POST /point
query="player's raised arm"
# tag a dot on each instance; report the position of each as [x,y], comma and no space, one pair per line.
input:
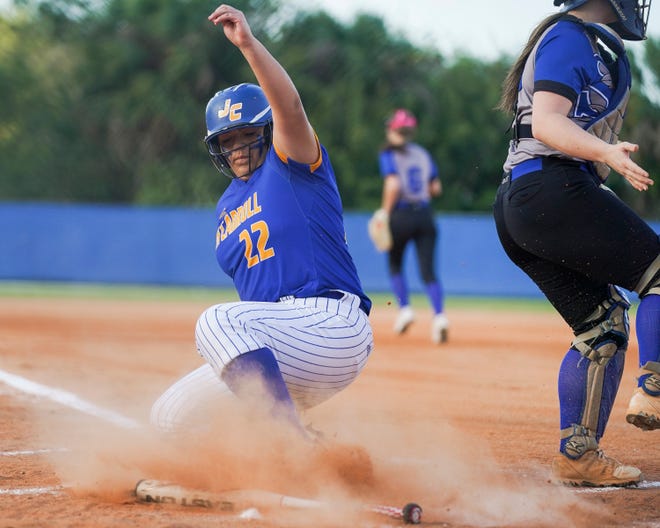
[292,133]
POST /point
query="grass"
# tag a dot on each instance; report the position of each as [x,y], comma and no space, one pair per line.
[25,289]
[212,295]
[114,291]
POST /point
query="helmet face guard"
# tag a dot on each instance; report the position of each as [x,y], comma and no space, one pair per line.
[241,106]
[633,16]
[220,157]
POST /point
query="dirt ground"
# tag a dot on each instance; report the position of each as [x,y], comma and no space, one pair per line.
[466,429]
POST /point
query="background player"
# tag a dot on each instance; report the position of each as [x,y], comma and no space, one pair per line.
[410,180]
[572,235]
[301,327]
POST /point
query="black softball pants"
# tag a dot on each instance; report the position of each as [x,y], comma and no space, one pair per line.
[418,225]
[572,237]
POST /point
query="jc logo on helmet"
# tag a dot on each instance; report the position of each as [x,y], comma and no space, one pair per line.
[231,110]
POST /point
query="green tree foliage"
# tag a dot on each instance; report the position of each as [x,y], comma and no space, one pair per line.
[642,126]
[103,101]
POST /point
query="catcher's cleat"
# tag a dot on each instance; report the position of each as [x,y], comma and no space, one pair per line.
[593,469]
[440,329]
[404,319]
[644,410]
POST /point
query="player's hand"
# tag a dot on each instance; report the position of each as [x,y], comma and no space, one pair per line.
[618,158]
[236,28]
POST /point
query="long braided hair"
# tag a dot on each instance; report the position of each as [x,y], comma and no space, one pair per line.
[511,82]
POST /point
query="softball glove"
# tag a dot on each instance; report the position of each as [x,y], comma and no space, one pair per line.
[379,230]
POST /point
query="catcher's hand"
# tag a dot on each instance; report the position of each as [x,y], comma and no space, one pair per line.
[379,230]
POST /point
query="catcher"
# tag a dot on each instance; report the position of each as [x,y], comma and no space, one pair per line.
[573,236]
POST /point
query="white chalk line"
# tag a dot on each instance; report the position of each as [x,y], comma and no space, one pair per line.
[44,490]
[28,452]
[68,399]
[645,484]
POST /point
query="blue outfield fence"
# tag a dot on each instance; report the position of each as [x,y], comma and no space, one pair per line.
[175,246]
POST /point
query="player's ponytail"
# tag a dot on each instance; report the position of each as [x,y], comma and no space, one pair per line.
[512,81]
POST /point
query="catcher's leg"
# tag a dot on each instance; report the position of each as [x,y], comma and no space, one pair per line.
[588,383]
[644,408]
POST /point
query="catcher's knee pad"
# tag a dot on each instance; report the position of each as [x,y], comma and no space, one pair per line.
[603,340]
[650,281]
[606,330]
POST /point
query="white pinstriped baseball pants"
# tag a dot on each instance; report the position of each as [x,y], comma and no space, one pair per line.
[320,344]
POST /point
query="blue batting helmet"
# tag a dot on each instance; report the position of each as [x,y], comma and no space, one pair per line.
[633,16]
[241,106]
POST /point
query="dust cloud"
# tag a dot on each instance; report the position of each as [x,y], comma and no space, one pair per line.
[452,475]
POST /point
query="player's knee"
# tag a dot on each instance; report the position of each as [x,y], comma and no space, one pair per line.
[606,331]
[162,416]
[213,322]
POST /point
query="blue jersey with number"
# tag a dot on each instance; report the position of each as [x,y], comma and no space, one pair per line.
[415,169]
[281,233]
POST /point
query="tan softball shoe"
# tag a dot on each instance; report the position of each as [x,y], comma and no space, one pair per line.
[593,469]
[644,410]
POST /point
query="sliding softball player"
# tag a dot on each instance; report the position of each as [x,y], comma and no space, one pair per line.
[301,327]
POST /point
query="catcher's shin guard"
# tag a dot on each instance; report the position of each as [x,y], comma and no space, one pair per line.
[587,389]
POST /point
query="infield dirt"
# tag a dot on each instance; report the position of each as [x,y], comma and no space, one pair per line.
[466,429]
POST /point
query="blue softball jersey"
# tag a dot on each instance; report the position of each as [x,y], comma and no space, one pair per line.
[567,63]
[415,169]
[281,233]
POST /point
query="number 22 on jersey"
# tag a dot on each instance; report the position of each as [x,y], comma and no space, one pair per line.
[260,229]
